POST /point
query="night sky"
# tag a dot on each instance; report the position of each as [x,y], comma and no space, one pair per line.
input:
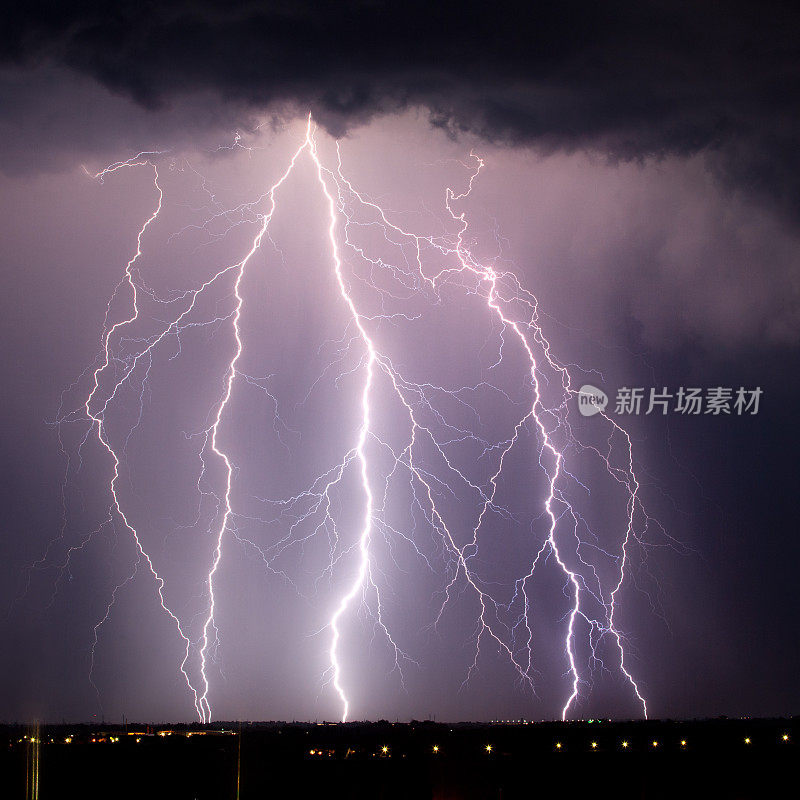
[641,178]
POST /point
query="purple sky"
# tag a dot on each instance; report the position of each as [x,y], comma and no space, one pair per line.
[656,258]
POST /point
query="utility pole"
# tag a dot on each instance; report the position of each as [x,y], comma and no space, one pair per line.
[239,763]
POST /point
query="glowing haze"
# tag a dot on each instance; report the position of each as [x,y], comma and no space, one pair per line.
[420,483]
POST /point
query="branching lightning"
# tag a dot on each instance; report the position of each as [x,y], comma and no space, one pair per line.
[422,456]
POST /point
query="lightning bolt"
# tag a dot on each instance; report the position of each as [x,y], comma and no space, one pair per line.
[311,513]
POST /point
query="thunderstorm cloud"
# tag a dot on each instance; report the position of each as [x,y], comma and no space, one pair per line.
[631,80]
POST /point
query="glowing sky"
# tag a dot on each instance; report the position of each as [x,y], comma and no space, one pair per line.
[672,269]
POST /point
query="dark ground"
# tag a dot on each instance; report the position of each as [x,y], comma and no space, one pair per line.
[741,758]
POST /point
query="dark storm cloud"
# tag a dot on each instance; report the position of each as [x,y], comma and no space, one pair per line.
[631,79]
